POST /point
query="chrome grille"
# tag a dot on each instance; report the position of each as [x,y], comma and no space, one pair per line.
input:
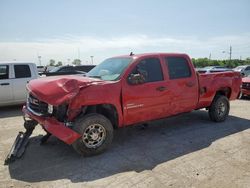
[36,106]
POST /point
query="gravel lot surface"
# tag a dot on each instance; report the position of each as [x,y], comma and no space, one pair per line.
[183,151]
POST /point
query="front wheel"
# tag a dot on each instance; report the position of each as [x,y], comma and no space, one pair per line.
[96,134]
[219,109]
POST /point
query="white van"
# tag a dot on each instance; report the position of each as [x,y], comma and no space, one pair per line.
[13,79]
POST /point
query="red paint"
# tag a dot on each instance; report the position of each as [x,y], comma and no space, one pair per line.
[54,127]
[181,95]
[246,91]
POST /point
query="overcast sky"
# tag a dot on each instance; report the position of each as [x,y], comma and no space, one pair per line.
[70,29]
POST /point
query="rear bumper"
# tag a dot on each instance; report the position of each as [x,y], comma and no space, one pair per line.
[245,92]
[54,127]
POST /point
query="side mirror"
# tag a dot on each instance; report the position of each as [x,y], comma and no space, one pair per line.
[135,79]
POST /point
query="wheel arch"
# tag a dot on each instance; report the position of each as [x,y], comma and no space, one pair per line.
[225,91]
[107,110]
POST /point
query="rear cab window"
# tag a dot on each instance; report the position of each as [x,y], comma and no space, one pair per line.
[22,71]
[178,67]
[4,72]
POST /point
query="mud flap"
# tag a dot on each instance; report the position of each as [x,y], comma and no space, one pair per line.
[21,141]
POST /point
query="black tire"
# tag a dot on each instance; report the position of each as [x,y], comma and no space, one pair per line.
[89,125]
[219,109]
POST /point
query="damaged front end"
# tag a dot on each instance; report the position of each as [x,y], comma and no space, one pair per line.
[21,141]
[50,112]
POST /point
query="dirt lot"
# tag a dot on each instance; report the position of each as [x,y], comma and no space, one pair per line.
[184,151]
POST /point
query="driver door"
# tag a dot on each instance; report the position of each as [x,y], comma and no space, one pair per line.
[145,101]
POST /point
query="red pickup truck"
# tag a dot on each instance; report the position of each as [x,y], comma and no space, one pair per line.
[123,91]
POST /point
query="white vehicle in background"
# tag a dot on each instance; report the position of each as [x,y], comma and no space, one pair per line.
[13,79]
[213,69]
[41,69]
[243,69]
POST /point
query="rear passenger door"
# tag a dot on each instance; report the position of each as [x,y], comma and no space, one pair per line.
[22,75]
[6,94]
[182,85]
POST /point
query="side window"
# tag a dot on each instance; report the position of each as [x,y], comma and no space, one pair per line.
[150,68]
[4,72]
[178,67]
[22,71]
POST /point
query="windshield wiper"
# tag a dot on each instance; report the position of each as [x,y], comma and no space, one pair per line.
[95,77]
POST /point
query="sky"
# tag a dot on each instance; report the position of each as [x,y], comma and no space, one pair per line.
[65,30]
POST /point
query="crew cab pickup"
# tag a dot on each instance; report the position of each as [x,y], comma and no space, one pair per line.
[13,79]
[123,91]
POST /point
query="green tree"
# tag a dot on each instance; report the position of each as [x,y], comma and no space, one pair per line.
[76,62]
[52,62]
[59,63]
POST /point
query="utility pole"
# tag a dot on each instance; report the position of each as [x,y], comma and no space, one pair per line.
[39,60]
[230,53]
[210,56]
[78,50]
[92,57]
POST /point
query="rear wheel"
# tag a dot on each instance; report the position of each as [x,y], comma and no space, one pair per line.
[219,109]
[96,134]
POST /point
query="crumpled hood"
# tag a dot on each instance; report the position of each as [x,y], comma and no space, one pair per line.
[58,89]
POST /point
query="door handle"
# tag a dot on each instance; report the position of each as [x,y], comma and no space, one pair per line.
[189,84]
[5,84]
[161,88]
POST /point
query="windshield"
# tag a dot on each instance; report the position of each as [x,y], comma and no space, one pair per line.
[55,69]
[238,68]
[110,69]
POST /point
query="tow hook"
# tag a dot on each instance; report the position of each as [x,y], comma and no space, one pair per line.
[21,141]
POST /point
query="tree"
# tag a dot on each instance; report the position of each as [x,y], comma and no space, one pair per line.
[52,62]
[59,63]
[76,62]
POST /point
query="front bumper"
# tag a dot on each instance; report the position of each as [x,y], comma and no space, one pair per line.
[245,91]
[54,127]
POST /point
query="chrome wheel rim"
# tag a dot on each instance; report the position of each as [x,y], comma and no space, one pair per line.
[221,109]
[94,135]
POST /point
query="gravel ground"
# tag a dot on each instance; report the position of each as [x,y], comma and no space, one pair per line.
[184,151]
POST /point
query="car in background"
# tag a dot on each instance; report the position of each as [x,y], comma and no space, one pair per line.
[213,69]
[13,79]
[243,69]
[41,69]
[69,69]
[245,88]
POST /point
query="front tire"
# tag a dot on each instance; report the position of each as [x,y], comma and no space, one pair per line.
[96,134]
[219,109]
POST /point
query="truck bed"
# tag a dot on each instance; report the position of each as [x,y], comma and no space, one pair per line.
[209,83]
